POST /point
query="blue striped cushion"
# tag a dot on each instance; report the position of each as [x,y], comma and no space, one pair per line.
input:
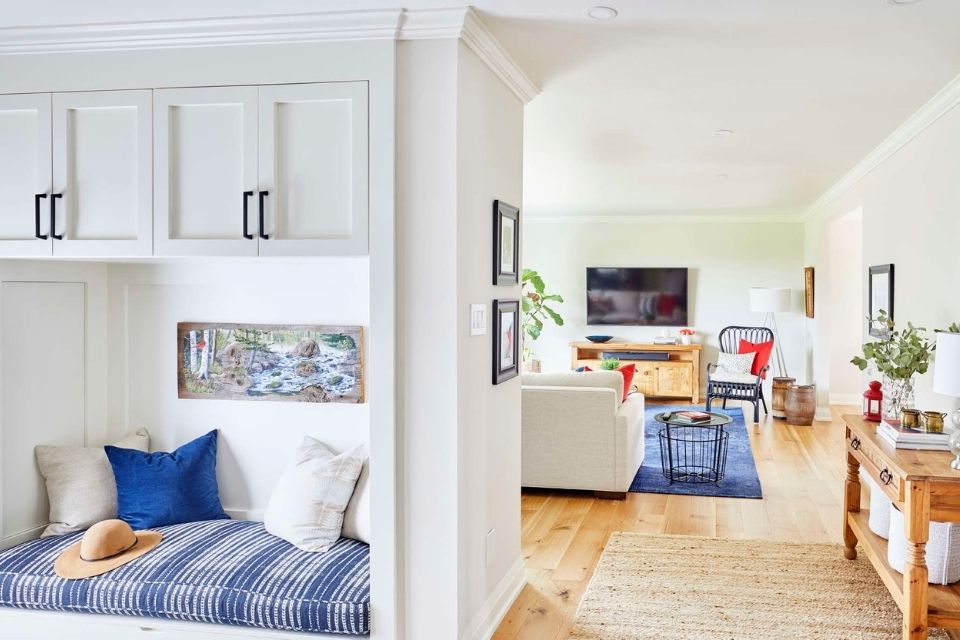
[223,571]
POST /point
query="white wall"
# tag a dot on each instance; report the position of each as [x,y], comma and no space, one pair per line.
[256,439]
[725,260]
[844,280]
[910,208]
[489,167]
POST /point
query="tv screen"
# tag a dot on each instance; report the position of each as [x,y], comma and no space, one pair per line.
[637,296]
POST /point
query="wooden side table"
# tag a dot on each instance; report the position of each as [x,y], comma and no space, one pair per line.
[924,488]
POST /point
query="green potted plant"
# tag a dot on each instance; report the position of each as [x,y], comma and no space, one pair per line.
[899,354]
[536,310]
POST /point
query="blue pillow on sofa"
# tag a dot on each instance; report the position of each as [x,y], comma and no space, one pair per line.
[157,489]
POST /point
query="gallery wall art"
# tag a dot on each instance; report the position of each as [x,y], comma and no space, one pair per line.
[506,243]
[295,363]
[880,293]
[506,340]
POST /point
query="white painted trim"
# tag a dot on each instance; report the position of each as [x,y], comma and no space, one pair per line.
[17,538]
[163,34]
[461,22]
[845,399]
[652,218]
[823,415]
[941,103]
[488,618]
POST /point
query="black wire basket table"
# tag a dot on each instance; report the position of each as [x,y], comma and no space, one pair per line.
[693,452]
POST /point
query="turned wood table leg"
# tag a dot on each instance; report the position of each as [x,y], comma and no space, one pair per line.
[851,503]
[916,516]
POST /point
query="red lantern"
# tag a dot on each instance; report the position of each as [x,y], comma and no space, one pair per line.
[872,400]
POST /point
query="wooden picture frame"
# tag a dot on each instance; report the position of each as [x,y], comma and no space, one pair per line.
[506,243]
[808,280]
[880,294]
[506,340]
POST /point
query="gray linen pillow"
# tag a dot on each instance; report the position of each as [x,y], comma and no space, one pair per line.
[80,483]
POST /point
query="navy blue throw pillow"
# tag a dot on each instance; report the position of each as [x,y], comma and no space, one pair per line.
[157,489]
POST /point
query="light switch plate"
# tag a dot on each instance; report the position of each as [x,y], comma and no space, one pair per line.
[478,320]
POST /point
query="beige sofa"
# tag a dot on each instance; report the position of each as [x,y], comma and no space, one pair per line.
[577,434]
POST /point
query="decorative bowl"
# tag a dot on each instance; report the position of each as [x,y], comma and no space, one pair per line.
[599,339]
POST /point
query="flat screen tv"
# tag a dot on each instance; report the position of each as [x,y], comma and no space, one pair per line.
[637,296]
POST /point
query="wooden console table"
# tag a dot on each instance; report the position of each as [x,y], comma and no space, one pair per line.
[924,488]
[676,377]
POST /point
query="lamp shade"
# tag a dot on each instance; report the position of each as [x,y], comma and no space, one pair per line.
[946,369]
[769,299]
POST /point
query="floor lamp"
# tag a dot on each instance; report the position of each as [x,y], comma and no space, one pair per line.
[769,301]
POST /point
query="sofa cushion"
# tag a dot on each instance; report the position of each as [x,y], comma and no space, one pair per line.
[762,349]
[594,379]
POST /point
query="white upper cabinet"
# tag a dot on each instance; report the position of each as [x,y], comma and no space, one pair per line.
[102,173]
[205,176]
[25,174]
[313,169]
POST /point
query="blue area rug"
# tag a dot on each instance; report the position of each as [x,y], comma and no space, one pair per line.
[740,480]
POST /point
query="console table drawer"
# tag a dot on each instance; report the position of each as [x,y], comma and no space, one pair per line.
[875,467]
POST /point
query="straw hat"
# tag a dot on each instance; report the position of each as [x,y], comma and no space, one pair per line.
[105,546]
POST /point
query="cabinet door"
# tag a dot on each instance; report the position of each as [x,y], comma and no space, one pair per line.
[313,164]
[674,380]
[205,159]
[42,396]
[644,378]
[102,167]
[24,172]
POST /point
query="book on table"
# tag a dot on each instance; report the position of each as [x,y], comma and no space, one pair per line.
[692,417]
[909,438]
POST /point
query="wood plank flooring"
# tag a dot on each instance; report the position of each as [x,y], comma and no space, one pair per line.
[563,533]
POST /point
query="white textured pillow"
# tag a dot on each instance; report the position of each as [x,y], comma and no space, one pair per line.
[307,505]
[356,519]
[735,363]
[80,483]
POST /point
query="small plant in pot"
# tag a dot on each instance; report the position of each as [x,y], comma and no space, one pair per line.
[535,305]
[899,354]
[610,364]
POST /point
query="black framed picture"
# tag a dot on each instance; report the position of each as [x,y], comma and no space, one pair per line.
[506,340]
[881,295]
[506,243]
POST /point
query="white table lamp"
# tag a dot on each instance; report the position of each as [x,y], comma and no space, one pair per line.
[769,301]
[946,369]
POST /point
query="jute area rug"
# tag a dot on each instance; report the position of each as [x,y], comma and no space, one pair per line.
[683,588]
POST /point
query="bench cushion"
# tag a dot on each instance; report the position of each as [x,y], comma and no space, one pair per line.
[221,571]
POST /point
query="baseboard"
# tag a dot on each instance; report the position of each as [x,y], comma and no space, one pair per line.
[823,415]
[487,620]
[846,398]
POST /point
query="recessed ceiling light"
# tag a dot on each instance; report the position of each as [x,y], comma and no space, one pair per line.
[895,2]
[602,13]
[723,133]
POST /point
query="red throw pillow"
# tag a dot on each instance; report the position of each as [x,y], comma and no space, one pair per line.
[763,351]
[628,371]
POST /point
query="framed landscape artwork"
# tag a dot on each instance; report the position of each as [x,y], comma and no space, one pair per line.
[294,363]
[506,243]
[506,340]
[881,295]
[808,291]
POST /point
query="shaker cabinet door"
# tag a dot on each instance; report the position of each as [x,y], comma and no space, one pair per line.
[205,178]
[25,174]
[102,173]
[313,168]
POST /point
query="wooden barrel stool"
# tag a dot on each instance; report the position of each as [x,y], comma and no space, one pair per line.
[801,404]
[780,386]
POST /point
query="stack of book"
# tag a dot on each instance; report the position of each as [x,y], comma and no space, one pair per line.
[902,437]
[690,417]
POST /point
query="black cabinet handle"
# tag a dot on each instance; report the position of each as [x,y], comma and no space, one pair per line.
[53,216]
[886,477]
[263,194]
[246,233]
[36,217]
[855,443]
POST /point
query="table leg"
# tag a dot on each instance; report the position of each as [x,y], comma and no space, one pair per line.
[916,517]
[851,503]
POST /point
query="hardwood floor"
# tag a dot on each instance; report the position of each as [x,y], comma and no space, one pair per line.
[801,471]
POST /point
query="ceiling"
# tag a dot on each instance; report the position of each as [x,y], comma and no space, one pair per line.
[625,122]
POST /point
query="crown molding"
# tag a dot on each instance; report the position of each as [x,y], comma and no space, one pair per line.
[461,23]
[668,218]
[165,34]
[940,104]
